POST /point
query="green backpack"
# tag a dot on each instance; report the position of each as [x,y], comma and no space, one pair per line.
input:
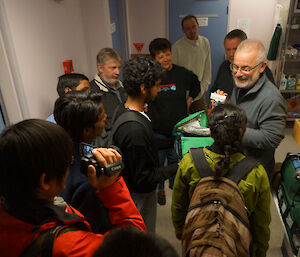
[288,194]
[191,132]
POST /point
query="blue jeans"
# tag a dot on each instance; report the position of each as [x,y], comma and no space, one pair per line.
[171,156]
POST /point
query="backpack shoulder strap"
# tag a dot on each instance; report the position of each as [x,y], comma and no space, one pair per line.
[37,246]
[238,172]
[200,162]
[43,244]
[241,169]
[128,116]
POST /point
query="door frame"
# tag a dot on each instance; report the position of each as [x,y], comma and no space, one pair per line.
[123,23]
[14,106]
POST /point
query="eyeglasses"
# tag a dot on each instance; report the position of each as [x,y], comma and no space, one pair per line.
[244,68]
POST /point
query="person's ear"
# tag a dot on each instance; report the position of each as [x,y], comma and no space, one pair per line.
[67,89]
[43,188]
[43,184]
[143,89]
[263,66]
[87,134]
[100,68]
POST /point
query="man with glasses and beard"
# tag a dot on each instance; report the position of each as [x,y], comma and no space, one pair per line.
[264,106]
[224,80]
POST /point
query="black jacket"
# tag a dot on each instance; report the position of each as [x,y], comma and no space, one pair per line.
[169,107]
[140,156]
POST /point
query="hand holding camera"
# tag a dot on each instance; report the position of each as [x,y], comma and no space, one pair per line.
[104,156]
[101,165]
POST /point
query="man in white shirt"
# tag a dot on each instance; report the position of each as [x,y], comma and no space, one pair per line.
[193,53]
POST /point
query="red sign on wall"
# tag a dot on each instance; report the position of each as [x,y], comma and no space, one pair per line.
[138,46]
[68,66]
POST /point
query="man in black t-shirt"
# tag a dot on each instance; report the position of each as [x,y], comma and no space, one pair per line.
[178,89]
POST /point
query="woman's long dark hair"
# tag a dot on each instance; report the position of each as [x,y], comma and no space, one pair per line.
[227,124]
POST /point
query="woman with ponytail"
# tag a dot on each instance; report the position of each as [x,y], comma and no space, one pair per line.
[227,125]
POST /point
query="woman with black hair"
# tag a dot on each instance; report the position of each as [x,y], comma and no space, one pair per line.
[227,125]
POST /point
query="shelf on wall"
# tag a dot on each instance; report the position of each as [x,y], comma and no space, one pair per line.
[292,60]
[290,91]
[292,118]
[293,115]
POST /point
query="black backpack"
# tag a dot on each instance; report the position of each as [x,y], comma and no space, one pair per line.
[43,244]
[128,116]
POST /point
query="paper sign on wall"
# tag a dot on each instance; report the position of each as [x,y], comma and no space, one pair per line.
[244,25]
[138,46]
[113,27]
[203,22]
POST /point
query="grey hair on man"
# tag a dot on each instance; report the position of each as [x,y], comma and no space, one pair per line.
[249,45]
[107,53]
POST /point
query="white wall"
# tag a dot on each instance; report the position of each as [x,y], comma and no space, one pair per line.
[260,14]
[46,32]
[263,17]
[146,20]
[97,32]
[15,105]
[10,97]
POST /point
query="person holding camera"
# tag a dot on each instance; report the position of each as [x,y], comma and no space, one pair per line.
[35,156]
[82,115]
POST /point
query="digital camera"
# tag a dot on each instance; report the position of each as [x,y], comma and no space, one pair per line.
[87,158]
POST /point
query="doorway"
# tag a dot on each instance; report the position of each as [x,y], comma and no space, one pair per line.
[118,21]
[3,116]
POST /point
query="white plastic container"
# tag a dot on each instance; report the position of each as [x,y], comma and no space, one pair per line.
[283,82]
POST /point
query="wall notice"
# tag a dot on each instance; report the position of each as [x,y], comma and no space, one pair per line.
[203,22]
[244,25]
[113,27]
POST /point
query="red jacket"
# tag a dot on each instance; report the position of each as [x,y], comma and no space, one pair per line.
[16,235]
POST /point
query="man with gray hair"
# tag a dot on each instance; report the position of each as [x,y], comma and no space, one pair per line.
[107,82]
[264,105]
[224,80]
